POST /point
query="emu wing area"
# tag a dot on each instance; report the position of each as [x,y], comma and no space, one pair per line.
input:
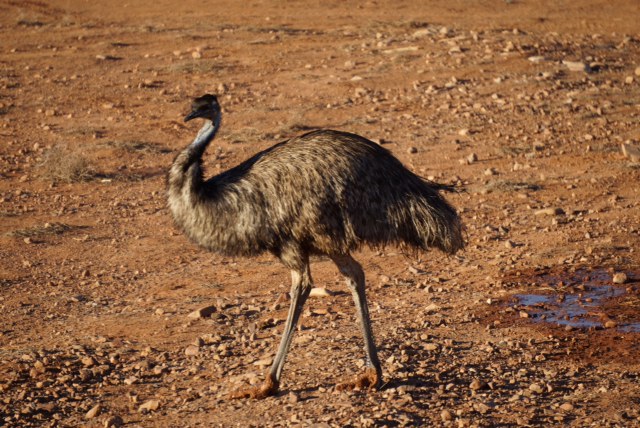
[330,192]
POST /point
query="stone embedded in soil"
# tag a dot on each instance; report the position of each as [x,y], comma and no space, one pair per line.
[88,361]
[191,350]
[320,292]
[114,421]
[149,406]
[95,411]
[631,151]
[619,278]
[534,387]
[481,408]
[477,384]
[576,66]
[550,211]
[202,312]
[446,415]
[567,407]
[536,59]
[264,362]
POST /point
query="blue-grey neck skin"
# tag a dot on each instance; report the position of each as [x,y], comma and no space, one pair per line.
[206,134]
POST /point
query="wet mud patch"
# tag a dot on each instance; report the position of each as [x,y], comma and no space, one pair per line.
[583,300]
[593,317]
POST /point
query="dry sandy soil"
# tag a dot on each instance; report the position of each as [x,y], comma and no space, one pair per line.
[523,103]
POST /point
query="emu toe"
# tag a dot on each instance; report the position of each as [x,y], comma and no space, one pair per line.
[267,389]
[369,379]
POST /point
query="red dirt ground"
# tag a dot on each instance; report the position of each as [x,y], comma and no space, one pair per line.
[96,283]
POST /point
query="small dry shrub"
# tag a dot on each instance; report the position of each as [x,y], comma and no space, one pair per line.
[60,163]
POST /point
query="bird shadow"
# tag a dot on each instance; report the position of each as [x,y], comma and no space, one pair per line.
[130,175]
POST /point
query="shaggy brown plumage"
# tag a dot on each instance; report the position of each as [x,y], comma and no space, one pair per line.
[325,192]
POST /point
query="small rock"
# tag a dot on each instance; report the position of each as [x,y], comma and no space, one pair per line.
[39,367]
[88,361]
[320,292]
[196,55]
[191,350]
[293,398]
[610,324]
[424,32]
[631,151]
[472,158]
[567,407]
[577,66]
[202,312]
[637,71]
[534,387]
[95,411]
[619,278]
[149,406]
[550,211]
[432,308]
[412,150]
[130,380]
[477,384]
[536,59]
[481,408]
[446,415]
[490,171]
[114,421]
[264,362]
[430,346]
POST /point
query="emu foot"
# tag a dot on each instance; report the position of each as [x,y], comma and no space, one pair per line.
[269,387]
[368,379]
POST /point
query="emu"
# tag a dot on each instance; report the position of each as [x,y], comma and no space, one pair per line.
[322,193]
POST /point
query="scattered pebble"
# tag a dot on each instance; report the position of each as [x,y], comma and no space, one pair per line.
[567,407]
[576,66]
[619,278]
[534,387]
[114,421]
[149,406]
[550,211]
[320,292]
[204,312]
[95,411]
[446,415]
[192,350]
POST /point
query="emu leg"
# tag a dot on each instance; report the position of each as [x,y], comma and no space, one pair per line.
[300,289]
[371,378]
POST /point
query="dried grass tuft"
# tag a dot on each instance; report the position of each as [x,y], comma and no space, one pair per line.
[61,163]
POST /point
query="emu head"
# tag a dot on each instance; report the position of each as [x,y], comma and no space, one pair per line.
[206,107]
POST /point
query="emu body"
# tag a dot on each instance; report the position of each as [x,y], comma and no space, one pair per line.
[325,192]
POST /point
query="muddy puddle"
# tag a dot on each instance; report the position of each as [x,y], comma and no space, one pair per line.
[586,300]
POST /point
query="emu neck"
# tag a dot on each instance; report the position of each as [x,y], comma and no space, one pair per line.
[186,173]
[206,134]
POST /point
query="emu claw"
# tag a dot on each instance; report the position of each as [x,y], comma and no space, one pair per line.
[267,389]
[369,379]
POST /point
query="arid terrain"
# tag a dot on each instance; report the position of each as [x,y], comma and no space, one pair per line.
[524,104]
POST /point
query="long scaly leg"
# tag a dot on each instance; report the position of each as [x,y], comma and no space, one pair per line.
[300,288]
[351,269]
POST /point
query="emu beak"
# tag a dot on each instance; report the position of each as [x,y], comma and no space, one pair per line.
[191,115]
